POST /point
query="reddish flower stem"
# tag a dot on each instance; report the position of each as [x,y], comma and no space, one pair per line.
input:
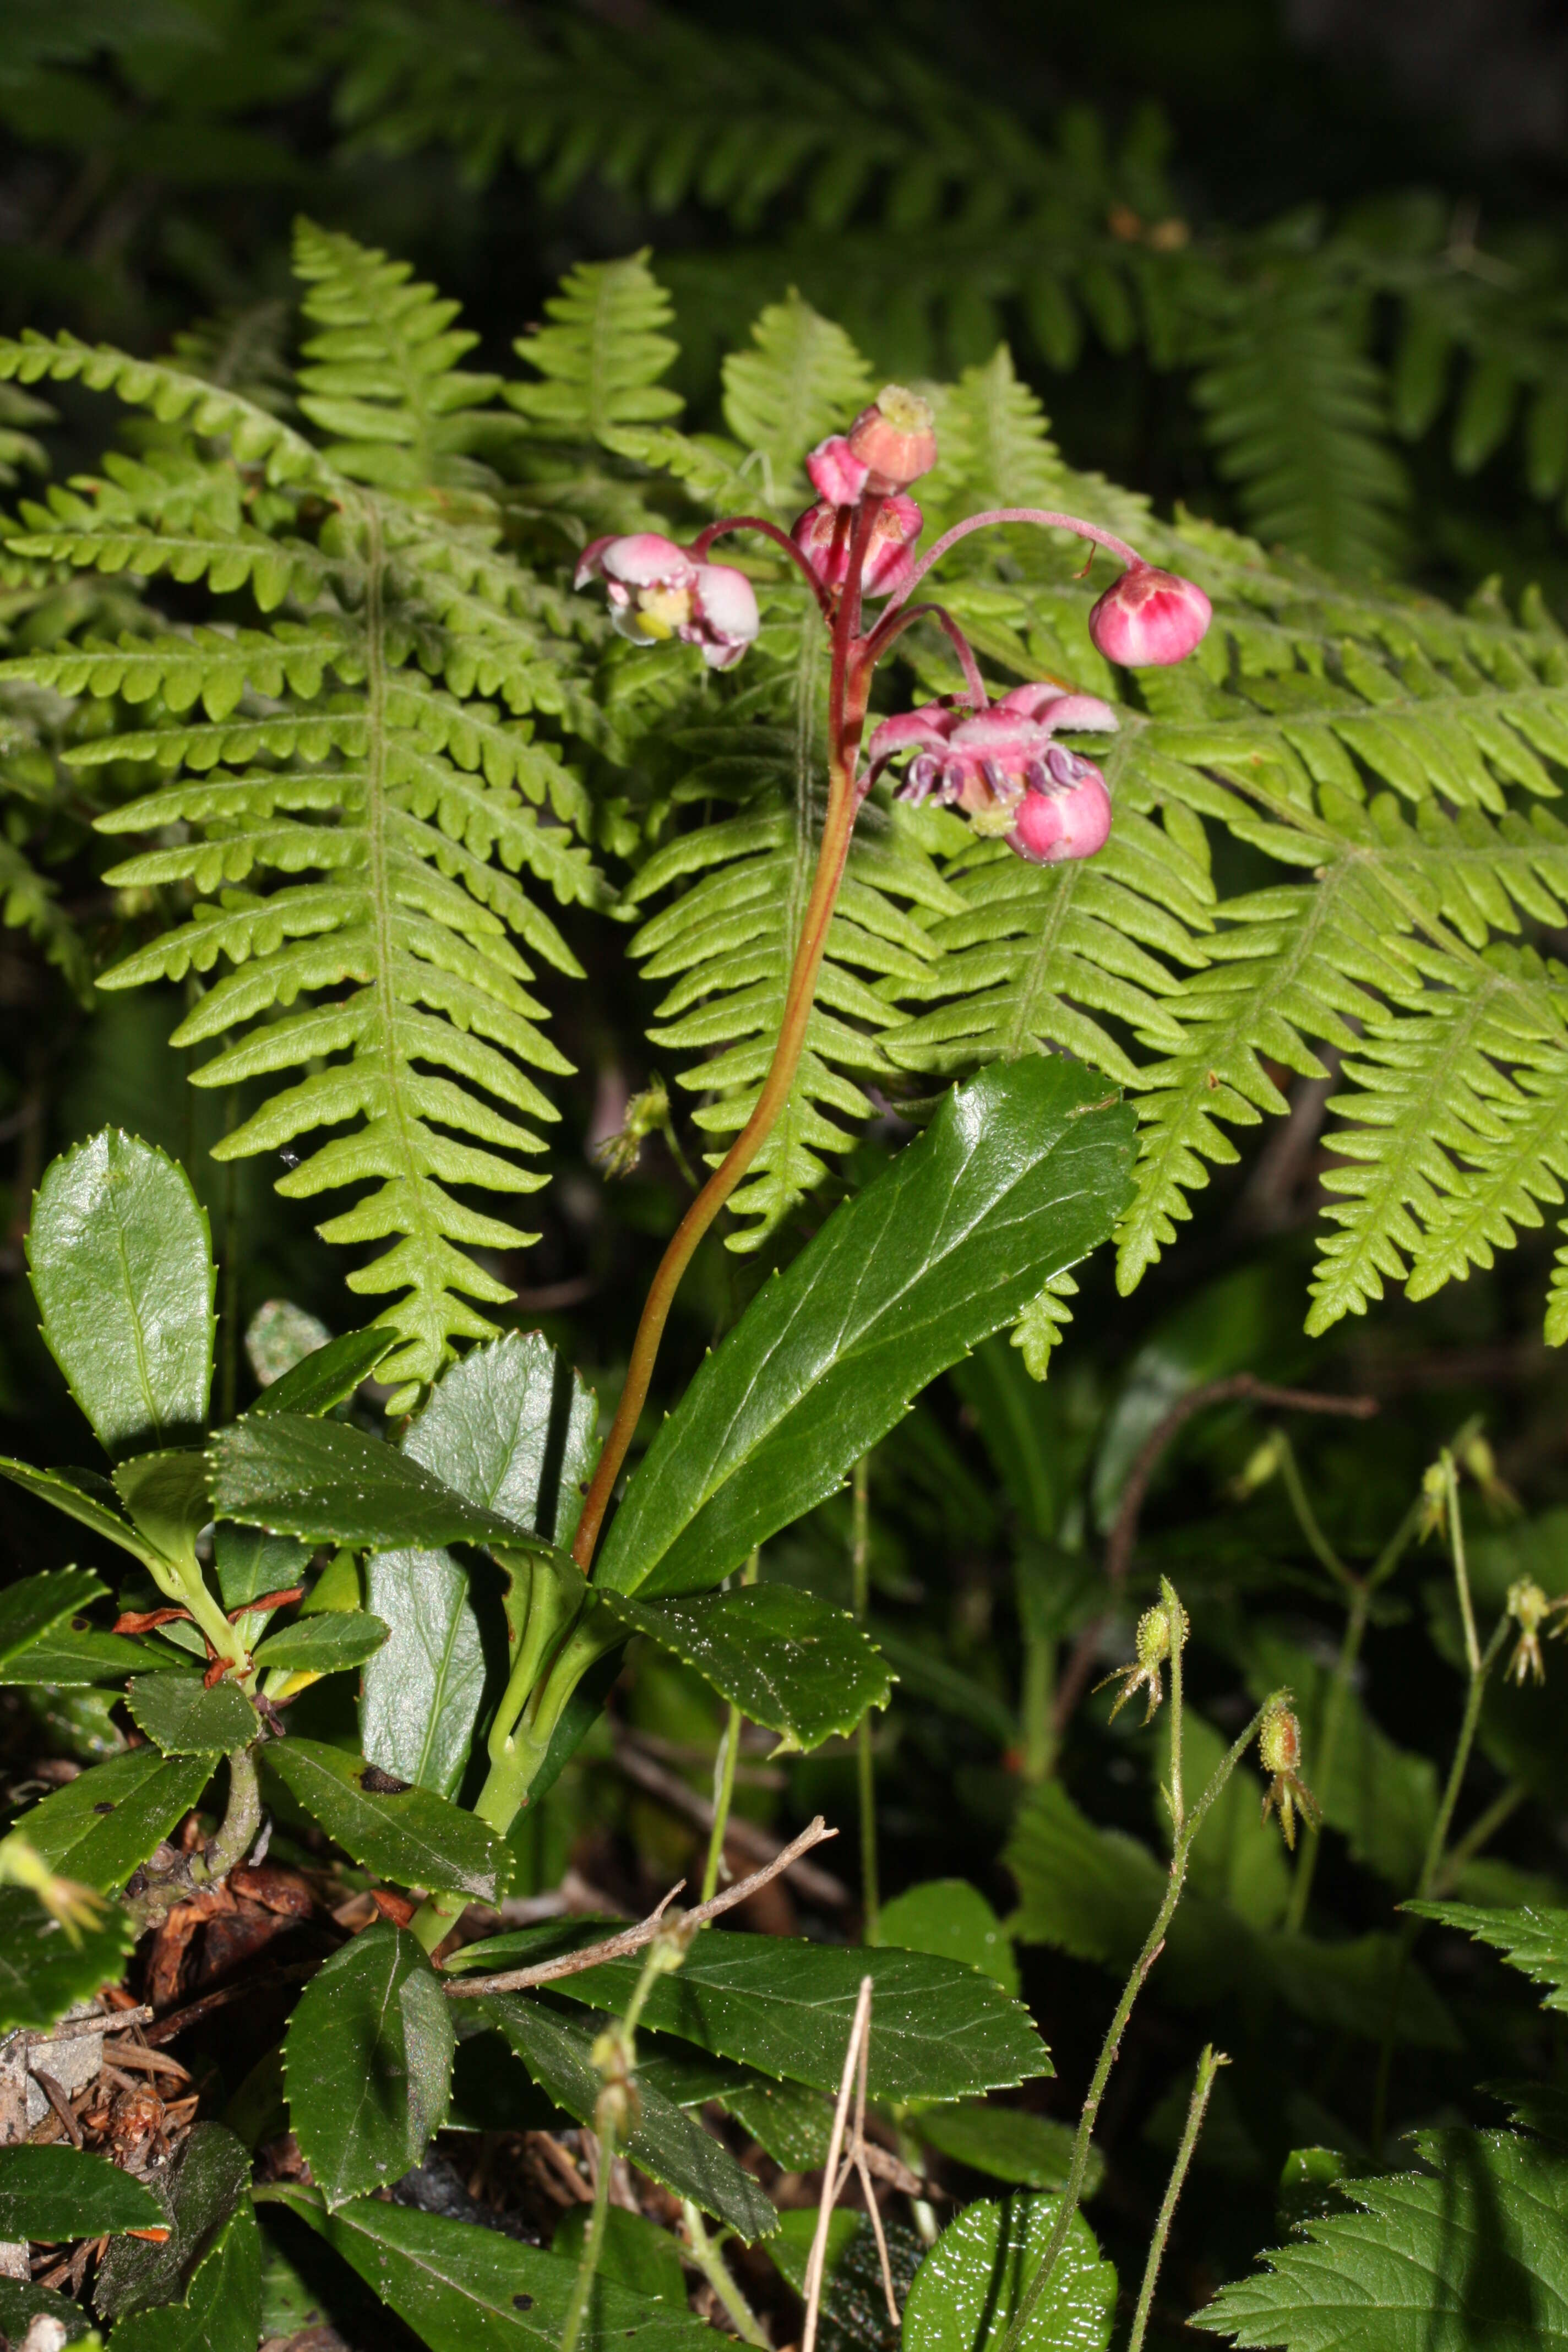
[1045,516]
[848,689]
[891,626]
[781,539]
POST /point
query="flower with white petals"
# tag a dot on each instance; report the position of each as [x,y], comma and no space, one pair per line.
[659,593]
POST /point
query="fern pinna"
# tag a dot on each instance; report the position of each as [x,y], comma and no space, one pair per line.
[368,796]
[358,793]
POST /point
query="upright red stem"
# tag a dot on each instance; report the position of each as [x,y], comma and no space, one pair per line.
[848,689]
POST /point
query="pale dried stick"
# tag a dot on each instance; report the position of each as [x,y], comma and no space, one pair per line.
[831,2178]
[632,1939]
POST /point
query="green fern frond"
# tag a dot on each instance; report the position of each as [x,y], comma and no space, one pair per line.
[801,380]
[355,791]
[1298,416]
[29,901]
[601,355]
[1448,1151]
[1042,1325]
[175,397]
[383,375]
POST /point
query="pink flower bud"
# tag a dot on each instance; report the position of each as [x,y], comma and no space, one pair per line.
[888,559]
[836,473]
[895,439]
[1068,816]
[1148,617]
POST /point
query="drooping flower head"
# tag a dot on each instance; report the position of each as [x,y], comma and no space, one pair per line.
[658,592]
[1151,1647]
[1530,1608]
[1003,768]
[894,439]
[890,549]
[1148,616]
[1279,1752]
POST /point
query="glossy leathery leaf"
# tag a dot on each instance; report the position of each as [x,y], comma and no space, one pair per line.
[422,1689]
[63,1659]
[411,1837]
[368,2061]
[20,2305]
[165,1495]
[793,2124]
[43,1972]
[938,2030]
[100,1826]
[669,2145]
[513,1429]
[220,2311]
[121,1263]
[468,2290]
[1023,1170]
[518,1947]
[968,2289]
[949,1916]
[330,1482]
[205,2186]
[784,1658]
[1008,2143]
[184,1719]
[39,1604]
[250,1562]
[1471,2253]
[1532,1939]
[326,1644]
[64,2193]
[329,1375]
[83,1496]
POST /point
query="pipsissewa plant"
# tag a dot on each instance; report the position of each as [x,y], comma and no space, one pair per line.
[1022,1171]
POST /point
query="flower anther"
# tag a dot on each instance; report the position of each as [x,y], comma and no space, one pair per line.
[1148,617]
[1003,770]
[894,439]
[656,592]
[888,559]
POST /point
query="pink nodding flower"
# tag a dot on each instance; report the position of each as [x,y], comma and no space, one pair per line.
[890,548]
[1002,768]
[658,592]
[836,473]
[894,439]
[1148,617]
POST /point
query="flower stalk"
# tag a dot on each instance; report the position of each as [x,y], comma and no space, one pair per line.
[1012,780]
[1180,1852]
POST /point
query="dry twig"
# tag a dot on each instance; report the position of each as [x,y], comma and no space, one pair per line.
[839,2166]
[632,1939]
